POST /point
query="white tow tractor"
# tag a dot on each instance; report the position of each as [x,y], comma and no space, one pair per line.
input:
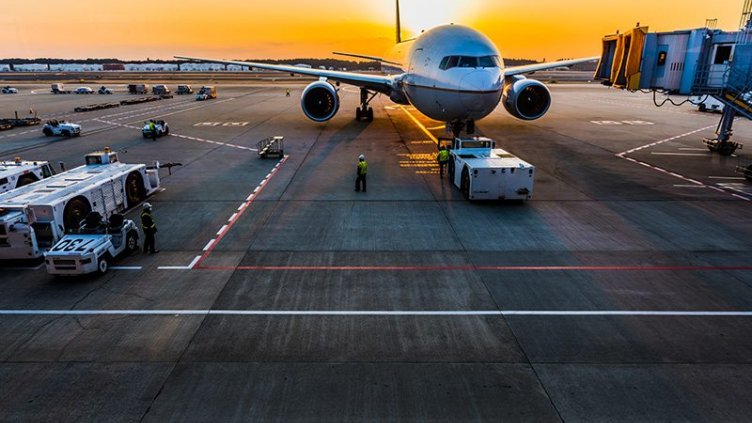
[94,247]
[17,173]
[61,127]
[35,217]
[160,129]
[483,172]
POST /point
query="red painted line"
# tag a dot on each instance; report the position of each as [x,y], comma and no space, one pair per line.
[239,213]
[497,268]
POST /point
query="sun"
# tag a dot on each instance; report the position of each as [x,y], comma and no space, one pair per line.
[420,15]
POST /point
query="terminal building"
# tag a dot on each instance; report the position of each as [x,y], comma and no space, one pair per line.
[695,62]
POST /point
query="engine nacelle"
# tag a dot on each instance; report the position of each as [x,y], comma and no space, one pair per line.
[525,99]
[320,101]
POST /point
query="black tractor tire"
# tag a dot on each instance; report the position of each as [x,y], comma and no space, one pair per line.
[75,211]
[47,132]
[131,242]
[702,107]
[26,180]
[104,264]
[134,189]
[358,114]
[65,133]
[726,149]
[465,183]
[369,114]
[167,131]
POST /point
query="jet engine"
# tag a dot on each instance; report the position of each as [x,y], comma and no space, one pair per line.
[525,99]
[320,101]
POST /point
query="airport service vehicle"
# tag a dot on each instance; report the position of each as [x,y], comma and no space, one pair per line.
[483,172]
[17,173]
[184,89]
[206,93]
[35,217]
[160,127]
[138,89]
[9,90]
[94,247]
[84,90]
[160,89]
[61,127]
[104,90]
[59,89]
[450,73]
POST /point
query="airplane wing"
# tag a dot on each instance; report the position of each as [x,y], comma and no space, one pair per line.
[382,84]
[363,56]
[518,70]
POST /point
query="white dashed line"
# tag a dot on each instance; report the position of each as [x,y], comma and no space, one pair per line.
[209,244]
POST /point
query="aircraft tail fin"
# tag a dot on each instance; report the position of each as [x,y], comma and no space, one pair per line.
[399,25]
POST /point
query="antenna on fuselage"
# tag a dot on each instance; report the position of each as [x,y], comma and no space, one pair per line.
[399,26]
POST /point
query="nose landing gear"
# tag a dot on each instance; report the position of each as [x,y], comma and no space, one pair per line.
[365,112]
[459,125]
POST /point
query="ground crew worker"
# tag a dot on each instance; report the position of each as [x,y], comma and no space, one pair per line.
[153,129]
[361,172]
[288,93]
[150,229]
[443,159]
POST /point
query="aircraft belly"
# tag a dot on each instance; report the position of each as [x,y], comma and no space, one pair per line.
[450,105]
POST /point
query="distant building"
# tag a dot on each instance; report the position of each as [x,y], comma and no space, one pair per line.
[31,67]
[4,68]
[151,67]
[75,67]
[113,67]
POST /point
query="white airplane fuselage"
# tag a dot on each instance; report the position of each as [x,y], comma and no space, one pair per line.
[451,93]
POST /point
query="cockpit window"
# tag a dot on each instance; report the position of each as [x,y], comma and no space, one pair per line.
[449,62]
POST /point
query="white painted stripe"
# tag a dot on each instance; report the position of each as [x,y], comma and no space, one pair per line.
[250,197]
[739,196]
[234,215]
[125,267]
[692,149]
[241,207]
[194,261]
[690,186]
[736,178]
[209,244]
[173,268]
[679,154]
[221,230]
[256,190]
[417,313]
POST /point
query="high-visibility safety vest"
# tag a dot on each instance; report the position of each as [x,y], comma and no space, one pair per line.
[147,222]
[443,155]
[362,168]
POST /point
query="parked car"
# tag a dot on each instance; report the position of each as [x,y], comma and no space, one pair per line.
[160,89]
[9,90]
[104,90]
[184,89]
[61,127]
[84,90]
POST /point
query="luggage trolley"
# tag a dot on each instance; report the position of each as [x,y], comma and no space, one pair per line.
[272,146]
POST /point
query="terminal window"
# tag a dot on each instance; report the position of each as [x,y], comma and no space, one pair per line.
[722,54]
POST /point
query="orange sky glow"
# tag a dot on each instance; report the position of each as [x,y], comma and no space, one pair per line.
[137,29]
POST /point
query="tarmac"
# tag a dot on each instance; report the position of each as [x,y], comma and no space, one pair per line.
[621,292]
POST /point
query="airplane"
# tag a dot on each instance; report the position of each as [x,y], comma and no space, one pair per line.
[452,74]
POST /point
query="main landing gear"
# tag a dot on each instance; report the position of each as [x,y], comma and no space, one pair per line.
[364,112]
[459,125]
[722,144]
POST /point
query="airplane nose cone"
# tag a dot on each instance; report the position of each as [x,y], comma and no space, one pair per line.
[480,91]
[482,80]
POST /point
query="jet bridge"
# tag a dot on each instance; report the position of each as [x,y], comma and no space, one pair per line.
[693,62]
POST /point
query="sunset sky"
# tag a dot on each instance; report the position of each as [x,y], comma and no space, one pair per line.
[137,29]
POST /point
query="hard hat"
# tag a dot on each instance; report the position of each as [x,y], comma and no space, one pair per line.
[147,206]
[361,157]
